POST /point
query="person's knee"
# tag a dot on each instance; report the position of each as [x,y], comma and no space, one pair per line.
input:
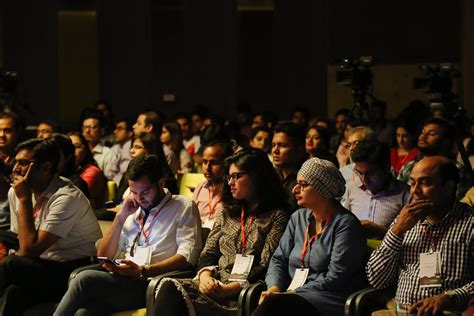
[85,279]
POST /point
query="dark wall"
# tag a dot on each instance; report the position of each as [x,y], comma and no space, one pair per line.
[209,52]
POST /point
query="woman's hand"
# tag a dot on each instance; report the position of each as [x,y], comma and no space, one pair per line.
[271,291]
[207,284]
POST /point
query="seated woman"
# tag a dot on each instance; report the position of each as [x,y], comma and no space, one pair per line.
[179,160]
[89,171]
[405,149]
[321,257]
[317,144]
[146,144]
[239,246]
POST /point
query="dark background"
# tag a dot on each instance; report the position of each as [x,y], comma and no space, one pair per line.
[69,53]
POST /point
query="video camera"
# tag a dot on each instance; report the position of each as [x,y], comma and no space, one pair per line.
[355,73]
[437,82]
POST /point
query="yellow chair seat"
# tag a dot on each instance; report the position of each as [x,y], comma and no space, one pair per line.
[188,182]
[135,312]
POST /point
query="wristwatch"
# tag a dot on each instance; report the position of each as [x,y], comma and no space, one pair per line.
[144,271]
[451,294]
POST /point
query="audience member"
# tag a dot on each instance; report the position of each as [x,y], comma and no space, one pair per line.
[155,231]
[317,144]
[67,167]
[10,132]
[374,196]
[208,195]
[56,230]
[340,119]
[123,134]
[427,254]
[89,171]
[437,138]
[265,118]
[354,136]
[261,138]
[108,116]
[176,155]
[321,257]
[46,129]
[93,130]
[239,246]
[405,149]
[191,141]
[382,127]
[300,116]
[288,155]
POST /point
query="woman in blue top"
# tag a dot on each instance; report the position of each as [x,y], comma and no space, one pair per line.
[321,257]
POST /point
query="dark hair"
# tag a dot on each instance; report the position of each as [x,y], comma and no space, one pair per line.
[343,111]
[65,145]
[89,113]
[43,151]
[269,192]
[88,157]
[294,131]
[373,152]
[226,148]
[54,125]
[149,141]
[449,130]
[176,136]
[147,166]
[154,119]
[324,138]
[267,117]
[301,109]
[261,128]
[128,123]
[17,124]
[181,115]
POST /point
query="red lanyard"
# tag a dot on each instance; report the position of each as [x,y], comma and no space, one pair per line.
[242,228]
[312,239]
[144,231]
[39,204]
[434,241]
[212,207]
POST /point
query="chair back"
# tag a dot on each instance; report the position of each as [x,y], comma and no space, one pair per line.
[188,182]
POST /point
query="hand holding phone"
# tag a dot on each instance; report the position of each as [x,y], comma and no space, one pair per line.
[108,260]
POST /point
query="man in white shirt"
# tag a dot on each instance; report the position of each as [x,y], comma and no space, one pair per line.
[155,232]
[123,134]
[56,228]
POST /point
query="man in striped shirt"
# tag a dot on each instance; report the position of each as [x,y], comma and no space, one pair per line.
[432,223]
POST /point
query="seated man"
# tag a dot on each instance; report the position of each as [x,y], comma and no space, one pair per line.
[208,195]
[56,230]
[374,195]
[156,232]
[428,251]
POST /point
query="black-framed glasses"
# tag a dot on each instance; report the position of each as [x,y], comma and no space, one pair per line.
[23,162]
[302,185]
[234,176]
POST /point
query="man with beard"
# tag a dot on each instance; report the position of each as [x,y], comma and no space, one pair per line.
[437,138]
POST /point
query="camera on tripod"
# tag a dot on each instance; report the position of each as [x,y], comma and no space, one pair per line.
[437,82]
[355,73]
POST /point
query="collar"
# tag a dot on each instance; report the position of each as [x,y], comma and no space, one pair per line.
[454,214]
[52,187]
[98,149]
[393,186]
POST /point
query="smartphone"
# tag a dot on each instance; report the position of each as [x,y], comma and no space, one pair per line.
[108,260]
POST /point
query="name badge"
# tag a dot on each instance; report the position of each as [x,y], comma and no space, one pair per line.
[299,279]
[142,256]
[241,269]
[208,223]
[430,269]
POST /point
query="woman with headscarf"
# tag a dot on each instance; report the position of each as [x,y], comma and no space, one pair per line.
[321,257]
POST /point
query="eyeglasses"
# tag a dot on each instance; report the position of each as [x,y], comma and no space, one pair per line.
[301,185]
[23,162]
[90,127]
[234,176]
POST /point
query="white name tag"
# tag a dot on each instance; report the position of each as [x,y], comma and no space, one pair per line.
[241,269]
[208,223]
[142,256]
[301,274]
[430,269]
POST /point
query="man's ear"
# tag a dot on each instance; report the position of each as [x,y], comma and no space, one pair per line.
[161,183]
[149,128]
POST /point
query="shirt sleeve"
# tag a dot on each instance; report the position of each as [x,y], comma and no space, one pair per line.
[188,234]
[382,268]
[277,274]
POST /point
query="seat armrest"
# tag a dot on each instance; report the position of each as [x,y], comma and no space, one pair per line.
[349,306]
[371,299]
[75,272]
[248,298]
[154,281]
